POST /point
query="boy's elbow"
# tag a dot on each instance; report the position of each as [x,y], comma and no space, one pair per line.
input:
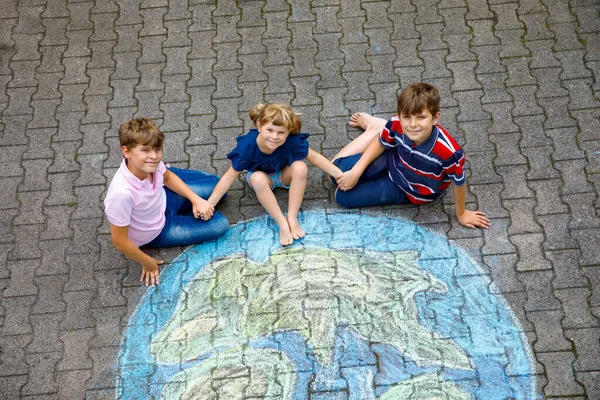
[119,244]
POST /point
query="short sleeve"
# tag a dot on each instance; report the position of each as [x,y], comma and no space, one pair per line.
[454,168]
[119,208]
[299,149]
[387,137]
[237,161]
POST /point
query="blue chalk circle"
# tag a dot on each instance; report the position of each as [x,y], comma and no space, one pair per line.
[364,307]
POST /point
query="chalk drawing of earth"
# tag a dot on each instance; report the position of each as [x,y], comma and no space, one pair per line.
[364,307]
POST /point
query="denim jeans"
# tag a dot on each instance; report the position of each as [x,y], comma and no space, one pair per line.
[374,188]
[181,228]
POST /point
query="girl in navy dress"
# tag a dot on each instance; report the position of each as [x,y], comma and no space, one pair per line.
[273,155]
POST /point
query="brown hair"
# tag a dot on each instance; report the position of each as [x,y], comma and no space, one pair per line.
[277,114]
[140,131]
[417,97]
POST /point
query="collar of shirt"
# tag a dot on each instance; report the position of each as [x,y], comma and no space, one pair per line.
[427,146]
[134,180]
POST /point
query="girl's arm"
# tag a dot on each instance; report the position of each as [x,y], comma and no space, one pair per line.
[321,162]
[199,205]
[350,178]
[120,239]
[223,186]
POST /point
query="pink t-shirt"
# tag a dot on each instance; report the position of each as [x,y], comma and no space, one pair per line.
[138,204]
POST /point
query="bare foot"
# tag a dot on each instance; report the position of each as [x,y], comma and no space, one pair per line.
[361,120]
[285,236]
[295,229]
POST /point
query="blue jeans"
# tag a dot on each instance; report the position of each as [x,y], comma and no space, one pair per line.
[374,188]
[181,228]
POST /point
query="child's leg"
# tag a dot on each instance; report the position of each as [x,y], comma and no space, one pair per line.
[295,176]
[376,192]
[261,183]
[183,230]
[201,183]
[372,126]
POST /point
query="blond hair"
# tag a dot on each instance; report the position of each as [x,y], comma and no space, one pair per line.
[140,131]
[278,114]
[417,97]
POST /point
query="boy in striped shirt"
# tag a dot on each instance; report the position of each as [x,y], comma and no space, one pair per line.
[408,159]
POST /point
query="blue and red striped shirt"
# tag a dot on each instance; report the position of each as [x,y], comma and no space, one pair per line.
[423,171]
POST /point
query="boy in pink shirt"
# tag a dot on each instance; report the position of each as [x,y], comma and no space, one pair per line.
[142,212]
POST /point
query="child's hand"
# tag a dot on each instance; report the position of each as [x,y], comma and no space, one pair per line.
[347,180]
[203,209]
[471,219]
[150,271]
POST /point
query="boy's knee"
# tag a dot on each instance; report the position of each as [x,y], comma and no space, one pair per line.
[222,224]
[341,198]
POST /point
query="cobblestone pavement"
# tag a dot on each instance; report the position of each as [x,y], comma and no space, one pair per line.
[520,84]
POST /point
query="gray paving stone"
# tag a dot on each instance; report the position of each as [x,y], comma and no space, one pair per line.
[503,270]
[101,55]
[583,214]
[41,374]
[566,268]
[53,261]
[21,278]
[532,132]
[83,237]
[525,103]
[10,386]
[573,65]
[587,239]
[565,35]
[489,200]
[72,384]
[78,314]
[515,174]
[541,54]
[496,238]
[12,358]
[16,318]
[45,334]
[521,213]
[560,379]
[26,238]
[529,249]
[550,336]
[76,347]
[573,183]
[79,45]
[582,96]
[153,18]
[576,316]
[590,380]
[556,229]
[549,83]
[551,107]
[540,296]
[102,373]
[152,49]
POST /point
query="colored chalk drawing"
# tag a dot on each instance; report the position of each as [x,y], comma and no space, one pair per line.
[364,307]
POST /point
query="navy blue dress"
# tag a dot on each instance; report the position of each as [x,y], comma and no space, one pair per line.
[248,157]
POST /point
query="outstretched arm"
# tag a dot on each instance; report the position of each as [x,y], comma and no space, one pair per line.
[200,206]
[120,239]
[350,178]
[223,186]
[470,219]
[321,162]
